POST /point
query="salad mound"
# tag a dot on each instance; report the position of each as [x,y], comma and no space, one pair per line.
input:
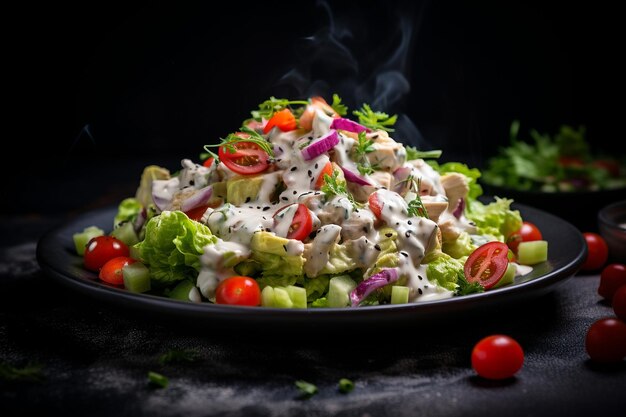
[313,209]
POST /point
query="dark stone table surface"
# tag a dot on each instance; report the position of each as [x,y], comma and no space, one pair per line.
[95,358]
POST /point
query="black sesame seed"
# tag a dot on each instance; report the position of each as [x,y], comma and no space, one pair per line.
[406,255]
[388,234]
[310,173]
[266,208]
[285,248]
[377,247]
[365,229]
[410,222]
[419,290]
[316,165]
[258,207]
[280,149]
[284,198]
[191,182]
[248,199]
[408,233]
[294,168]
[420,277]
[375,136]
[295,192]
[425,286]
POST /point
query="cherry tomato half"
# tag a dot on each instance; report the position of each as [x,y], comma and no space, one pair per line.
[606,340]
[487,264]
[238,290]
[375,205]
[598,252]
[283,119]
[248,158]
[197,213]
[101,249]
[301,224]
[208,162]
[619,302]
[497,357]
[612,277]
[306,120]
[527,233]
[111,272]
[327,170]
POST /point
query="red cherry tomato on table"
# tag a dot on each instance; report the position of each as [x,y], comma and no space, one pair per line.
[301,224]
[619,302]
[247,158]
[111,272]
[612,277]
[527,233]
[598,252]
[101,249]
[487,264]
[497,357]
[606,340]
[283,119]
[238,290]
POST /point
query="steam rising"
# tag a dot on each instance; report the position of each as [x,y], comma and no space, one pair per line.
[364,61]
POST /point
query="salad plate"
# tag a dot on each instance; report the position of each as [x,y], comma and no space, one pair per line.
[567,251]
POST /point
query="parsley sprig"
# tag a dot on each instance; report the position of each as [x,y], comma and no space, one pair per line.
[362,148]
[416,206]
[233,138]
[267,109]
[376,120]
[412,153]
[338,106]
[334,186]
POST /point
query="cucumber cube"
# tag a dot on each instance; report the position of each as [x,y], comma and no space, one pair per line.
[181,291]
[267,297]
[81,239]
[126,233]
[136,277]
[531,253]
[399,294]
[297,295]
[339,289]
[508,276]
[281,298]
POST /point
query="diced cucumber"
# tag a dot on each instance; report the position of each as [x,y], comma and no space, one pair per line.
[508,276]
[531,253]
[267,297]
[182,290]
[81,239]
[399,294]
[339,289]
[126,233]
[297,295]
[135,253]
[136,277]
[281,298]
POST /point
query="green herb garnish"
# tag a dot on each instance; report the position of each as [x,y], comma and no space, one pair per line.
[157,379]
[465,287]
[416,206]
[412,153]
[362,148]
[338,106]
[230,140]
[334,186]
[306,388]
[345,385]
[179,356]
[269,107]
[375,119]
[30,372]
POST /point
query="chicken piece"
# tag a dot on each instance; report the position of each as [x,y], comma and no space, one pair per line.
[388,155]
[434,207]
[456,188]
[380,179]
[360,223]
[317,253]
[336,211]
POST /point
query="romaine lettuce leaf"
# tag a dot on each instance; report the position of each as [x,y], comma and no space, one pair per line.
[173,246]
[495,219]
[127,211]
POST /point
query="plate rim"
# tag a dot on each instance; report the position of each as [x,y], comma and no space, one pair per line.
[533,287]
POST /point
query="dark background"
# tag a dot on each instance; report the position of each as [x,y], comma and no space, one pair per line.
[103,90]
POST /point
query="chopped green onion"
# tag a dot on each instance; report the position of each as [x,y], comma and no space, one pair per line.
[157,379]
[345,385]
[306,388]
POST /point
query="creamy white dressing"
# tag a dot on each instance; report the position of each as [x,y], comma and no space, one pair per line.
[217,261]
[521,270]
[420,288]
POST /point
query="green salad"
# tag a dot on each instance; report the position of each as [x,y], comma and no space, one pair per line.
[303,207]
[559,163]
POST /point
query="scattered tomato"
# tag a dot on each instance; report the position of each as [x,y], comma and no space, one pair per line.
[327,170]
[612,277]
[238,290]
[283,119]
[248,158]
[197,213]
[497,357]
[375,205]
[111,271]
[301,223]
[208,162]
[606,340]
[487,264]
[619,302]
[598,252]
[101,249]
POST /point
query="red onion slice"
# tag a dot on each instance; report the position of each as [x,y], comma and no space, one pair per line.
[458,211]
[352,177]
[197,199]
[348,125]
[401,176]
[376,281]
[321,145]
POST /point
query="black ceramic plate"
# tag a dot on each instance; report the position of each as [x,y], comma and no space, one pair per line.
[567,250]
